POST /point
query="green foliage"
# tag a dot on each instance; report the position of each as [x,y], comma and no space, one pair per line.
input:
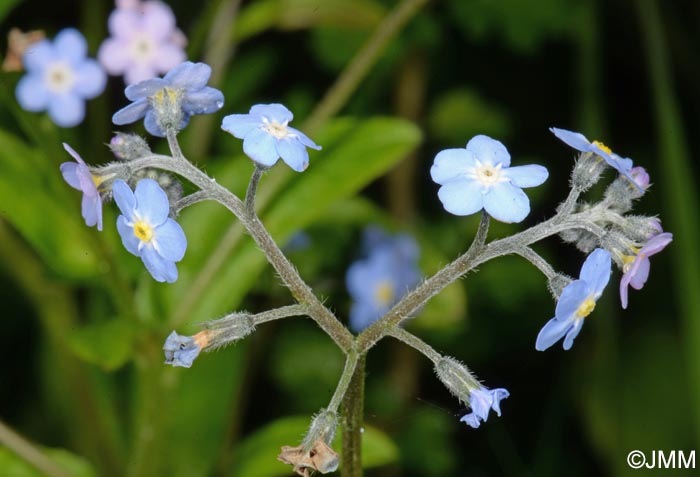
[108,344]
[14,466]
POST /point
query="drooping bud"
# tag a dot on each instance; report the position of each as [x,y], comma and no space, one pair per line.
[129,146]
[457,378]
[314,453]
[228,329]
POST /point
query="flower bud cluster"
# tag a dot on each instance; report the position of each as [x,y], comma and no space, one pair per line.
[129,146]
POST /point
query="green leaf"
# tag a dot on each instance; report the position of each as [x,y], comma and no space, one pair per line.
[256,456]
[44,210]
[6,6]
[14,466]
[108,344]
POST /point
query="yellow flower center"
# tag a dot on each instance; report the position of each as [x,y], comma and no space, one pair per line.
[602,146]
[278,130]
[142,48]
[586,308]
[166,96]
[384,293]
[59,77]
[143,231]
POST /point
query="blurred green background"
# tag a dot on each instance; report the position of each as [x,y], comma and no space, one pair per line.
[83,323]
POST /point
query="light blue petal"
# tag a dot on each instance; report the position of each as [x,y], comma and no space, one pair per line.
[526,176]
[304,139]
[480,401]
[498,395]
[452,164]
[129,239]
[151,124]
[359,279]
[576,140]
[37,56]
[160,269]
[261,147]
[471,420]
[66,110]
[180,350]
[144,89]
[488,150]
[572,297]
[461,197]
[273,112]
[362,315]
[596,270]
[551,332]
[91,208]
[130,113]
[240,124]
[32,94]
[91,79]
[206,101]
[293,153]
[572,334]
[506,203]
[69,170]
[152,202]
[70,45]
[189,76]
[170,241]
[124,198]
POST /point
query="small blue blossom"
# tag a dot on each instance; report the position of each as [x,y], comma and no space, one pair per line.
[479,177]
[377,282]
[267,136]
[577,301]
[578,141]
[181,350]
[60,78]
[78,176]
[481,401]
[171,101]
[147,231]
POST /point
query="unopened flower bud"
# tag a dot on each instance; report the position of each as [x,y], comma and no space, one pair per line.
[639,228]
[621,192]
[587,170]
[456,378]
[228,329]
[322,427]
[129,146]
[171,186]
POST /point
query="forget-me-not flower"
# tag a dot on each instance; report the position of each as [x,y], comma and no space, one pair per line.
[636,267]
[479,177]
[60,78]
[578,141]
[267,136]
[78,176]
[481,401]
[144,41]
[147,231]
[169,102]
[378,281]
[181,350]
[577,301]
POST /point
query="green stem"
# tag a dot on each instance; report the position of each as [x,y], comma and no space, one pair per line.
[353,418]
[30,453]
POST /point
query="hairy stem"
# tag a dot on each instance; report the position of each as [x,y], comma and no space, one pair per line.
[252,189]
[416,343]
[353,415]
[533,257]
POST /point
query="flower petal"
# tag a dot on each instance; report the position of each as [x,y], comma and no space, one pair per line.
[261,147]
[461,197]
[293,153]
[206,101]
[576,140]
[274,112]
[114,56]
[152,202]
[362,314]
[66,110]
[488,150]
[506,203]
[91,208]
[452,164]
[158,20]
[124,198]
[303,138]
[37,56]
[573,295]
[240,124]
[161,270]
[526,176]
[168,57]
[91,79]
[32,94]
[596,270]
[641,274]
[69,170]
[551,332]
[70,45]
[151,124]
[130,113]
[144,89]
[572,334]
[129,239]
[171,241]
[189,76]
[656,244]
[123,22]
[471,420]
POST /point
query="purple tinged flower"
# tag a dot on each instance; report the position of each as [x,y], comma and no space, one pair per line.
[636,267]
[378,281]
[79,177]
[267,136]
[147,231]
[181,350]
[577,301]
[144,41]
[578,141]
[60,78]
[479,177]
[641,177]
[481,401]
[183,88]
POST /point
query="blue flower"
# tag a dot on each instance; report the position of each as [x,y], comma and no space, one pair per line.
[78,176]
[478,177]
[169,102]
[578,141]
[146,230]
[181,350]
[267,137]
[60,78]
[377,282]
[481,401]
[577,301]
